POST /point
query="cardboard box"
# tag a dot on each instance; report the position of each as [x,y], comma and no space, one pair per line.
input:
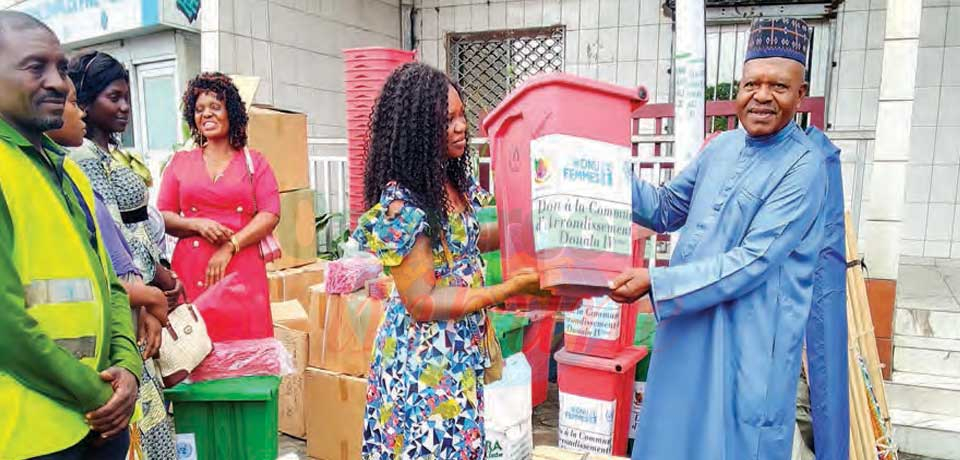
[316,313]
[292,404]
[296,231]
[296,343]
[337,404]
[292,417]
[289,314]
[281,136]
[343,331]
[293,283]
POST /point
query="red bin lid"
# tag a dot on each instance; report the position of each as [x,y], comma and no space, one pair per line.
[637,95]
[626,359]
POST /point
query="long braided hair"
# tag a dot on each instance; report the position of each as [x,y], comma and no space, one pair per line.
[408,142]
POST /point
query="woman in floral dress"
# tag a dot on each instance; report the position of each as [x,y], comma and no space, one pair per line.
[425,391]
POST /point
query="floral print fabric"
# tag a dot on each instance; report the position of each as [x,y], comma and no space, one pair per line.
[425,388]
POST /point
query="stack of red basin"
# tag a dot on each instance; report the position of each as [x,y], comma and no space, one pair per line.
[367,70]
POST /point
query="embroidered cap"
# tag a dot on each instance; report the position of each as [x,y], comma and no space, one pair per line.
[778,37]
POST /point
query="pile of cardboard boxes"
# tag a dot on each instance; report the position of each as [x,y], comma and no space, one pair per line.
[332,343]
[281,137]
[330,337]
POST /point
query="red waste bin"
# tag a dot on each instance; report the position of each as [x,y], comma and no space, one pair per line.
[537,343]
[596,397]
[601,327]
[554,104]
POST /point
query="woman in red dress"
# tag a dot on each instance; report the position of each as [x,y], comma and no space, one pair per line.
[211,202]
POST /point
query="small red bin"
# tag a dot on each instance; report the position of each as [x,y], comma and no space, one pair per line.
[596,392]
[602,340]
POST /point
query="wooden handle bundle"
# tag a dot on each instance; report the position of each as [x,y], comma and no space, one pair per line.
[870,426]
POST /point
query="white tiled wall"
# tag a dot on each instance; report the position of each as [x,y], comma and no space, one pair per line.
[295,47]
[858,53]
[623,42]
[932,214]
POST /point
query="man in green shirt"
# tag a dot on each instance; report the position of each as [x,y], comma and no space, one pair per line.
[32,94]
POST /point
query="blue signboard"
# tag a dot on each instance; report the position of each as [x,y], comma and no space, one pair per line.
[80,20]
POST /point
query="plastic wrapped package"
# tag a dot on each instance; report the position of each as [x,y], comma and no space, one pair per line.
[234,311]
[244,358]
[380,288]
[352,271]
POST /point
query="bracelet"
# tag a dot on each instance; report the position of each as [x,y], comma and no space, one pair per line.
[235,244]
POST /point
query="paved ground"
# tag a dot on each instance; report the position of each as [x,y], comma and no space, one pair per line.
[915,457]
[929,284]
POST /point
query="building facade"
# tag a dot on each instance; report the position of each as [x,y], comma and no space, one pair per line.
[156,43]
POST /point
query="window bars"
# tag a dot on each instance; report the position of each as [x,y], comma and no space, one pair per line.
[488,65]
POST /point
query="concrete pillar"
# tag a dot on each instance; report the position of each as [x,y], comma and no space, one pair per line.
[884,213]
[210,35]
[690,79]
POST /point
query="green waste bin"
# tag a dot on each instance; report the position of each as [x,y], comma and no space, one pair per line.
[509,329]
[231,418]
[493,272]
[487,214]
[494,275]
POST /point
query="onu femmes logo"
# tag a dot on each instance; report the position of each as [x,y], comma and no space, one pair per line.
[593,172]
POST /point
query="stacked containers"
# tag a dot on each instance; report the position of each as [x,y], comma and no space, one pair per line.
[596,369]
[367,70]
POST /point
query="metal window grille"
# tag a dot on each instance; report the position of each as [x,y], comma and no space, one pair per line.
[488,65]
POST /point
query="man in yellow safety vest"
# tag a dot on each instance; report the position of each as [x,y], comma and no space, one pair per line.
[69,366]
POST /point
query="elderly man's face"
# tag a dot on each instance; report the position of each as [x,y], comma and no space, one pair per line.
[770,93]
[33,87]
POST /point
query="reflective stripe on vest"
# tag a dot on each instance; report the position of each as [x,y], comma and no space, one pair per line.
[41,292]
[80,347]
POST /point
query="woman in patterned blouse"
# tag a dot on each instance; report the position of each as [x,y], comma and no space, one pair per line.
[425,390]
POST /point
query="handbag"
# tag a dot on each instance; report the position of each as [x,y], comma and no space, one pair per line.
[494,371]
[269,246]
[184,344]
